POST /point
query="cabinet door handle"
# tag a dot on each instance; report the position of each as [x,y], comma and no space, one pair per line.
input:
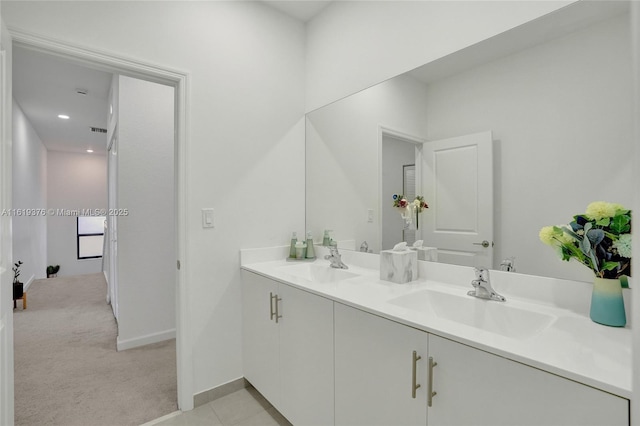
[271,313]
[430,392]
[414,366]
[276,314]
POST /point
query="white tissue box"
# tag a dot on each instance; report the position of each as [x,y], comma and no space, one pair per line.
[399,266]
[429,254]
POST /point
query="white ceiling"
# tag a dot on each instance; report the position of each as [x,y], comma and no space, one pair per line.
[45,86]
[303,10]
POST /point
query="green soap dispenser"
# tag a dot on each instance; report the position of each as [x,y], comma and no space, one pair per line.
[292,249]
[310,251]
[326,240]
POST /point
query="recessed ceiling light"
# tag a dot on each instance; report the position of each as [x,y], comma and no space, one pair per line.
[64,117]
[89,150]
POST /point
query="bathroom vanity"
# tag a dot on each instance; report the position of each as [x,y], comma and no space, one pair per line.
[342,347]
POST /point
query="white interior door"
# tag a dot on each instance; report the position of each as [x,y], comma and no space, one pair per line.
[6,277]
[458,186]
[112,224]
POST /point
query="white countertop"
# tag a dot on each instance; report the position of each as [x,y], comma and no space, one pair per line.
[573,346]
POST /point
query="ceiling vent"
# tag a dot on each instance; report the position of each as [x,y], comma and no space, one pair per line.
[98,130]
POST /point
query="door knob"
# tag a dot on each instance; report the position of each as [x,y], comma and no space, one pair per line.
[484,244]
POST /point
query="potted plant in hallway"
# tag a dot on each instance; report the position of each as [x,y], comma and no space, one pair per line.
[18,287]
[52,271]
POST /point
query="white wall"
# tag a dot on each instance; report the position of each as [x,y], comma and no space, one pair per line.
[245,137]
[635,266]
[343,157]
[352,45]
[146,235]
[29,192]
[75,182]
[561,113]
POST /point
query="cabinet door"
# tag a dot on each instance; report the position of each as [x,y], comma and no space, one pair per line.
[260,336]
[373,370]
[306,357]
[477,388]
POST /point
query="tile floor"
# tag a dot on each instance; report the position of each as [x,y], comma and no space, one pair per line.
[245,407]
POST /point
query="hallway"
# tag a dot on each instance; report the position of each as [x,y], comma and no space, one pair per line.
[67,369]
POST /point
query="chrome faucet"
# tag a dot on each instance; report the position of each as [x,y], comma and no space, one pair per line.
[335,258]
[508,264]
[482,286]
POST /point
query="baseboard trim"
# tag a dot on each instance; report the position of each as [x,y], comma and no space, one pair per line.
[219,391]
[136,342]
[29,282]
[162,419]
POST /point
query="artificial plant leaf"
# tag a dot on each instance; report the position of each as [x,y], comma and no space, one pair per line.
[604,221]
[585,246]
[582,219]
[620,224]
[594,261]
[609,266]
[595,236]
[572,234]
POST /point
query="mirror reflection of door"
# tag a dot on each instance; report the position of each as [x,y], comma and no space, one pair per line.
[409,191]
[458,185]
[398,176]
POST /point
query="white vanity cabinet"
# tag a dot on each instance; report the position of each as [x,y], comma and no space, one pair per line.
[474,387]
[288,348]
[374,382]
[320,361]
[374,367]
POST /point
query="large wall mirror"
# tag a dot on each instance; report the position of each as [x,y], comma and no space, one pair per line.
[552,97]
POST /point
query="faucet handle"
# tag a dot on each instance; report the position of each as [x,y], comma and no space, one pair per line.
[482,273]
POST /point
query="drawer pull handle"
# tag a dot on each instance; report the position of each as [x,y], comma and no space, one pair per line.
[414,366]
[274,312]
[271,313]
[430,392]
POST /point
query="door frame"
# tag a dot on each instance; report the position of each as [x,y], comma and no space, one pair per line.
[180,81]
[418,142]
[112,222]
[6,311]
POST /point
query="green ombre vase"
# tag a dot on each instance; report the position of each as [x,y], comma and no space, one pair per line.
[607,304]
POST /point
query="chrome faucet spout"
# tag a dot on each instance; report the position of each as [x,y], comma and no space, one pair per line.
[335,258]
[508,264]
[482,286]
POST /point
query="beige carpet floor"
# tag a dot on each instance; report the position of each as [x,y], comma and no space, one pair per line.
[67,369]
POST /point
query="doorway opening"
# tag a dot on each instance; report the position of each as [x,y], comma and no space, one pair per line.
[177,81]
[400,174]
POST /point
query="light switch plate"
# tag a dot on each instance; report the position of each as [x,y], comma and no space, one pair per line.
[207,218]
[370,215]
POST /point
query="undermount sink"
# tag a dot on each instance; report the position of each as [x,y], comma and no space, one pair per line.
[495,317]
[317,273]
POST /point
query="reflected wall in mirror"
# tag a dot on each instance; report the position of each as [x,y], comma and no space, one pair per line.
[560,113]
